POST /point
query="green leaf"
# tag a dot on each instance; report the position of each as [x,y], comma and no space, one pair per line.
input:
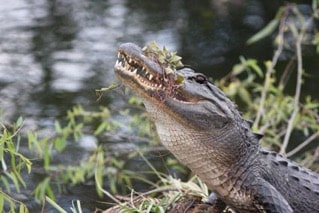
[99,92]
[254,65]
[57,127]
[60,143]
[55,205]
[19,122]
[1,201]
[14,179]
[100,128]
[179,79]
[28,165]
[266,31]
[23,208]
[49,192]
[41,189]
[169,60]
[19,177]
[238,68]
[6,183]
[1,149]
[46,157]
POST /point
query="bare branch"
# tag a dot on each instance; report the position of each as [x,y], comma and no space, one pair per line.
[303,144]
[298,88]
[269,72]
[108,194]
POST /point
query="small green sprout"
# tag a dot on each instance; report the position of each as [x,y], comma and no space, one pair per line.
[99,92]
[169,60]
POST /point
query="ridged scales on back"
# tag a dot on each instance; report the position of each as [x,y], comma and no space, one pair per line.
[204,130]
[299,185]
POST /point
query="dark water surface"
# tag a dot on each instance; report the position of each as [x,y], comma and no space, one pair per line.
[55,53]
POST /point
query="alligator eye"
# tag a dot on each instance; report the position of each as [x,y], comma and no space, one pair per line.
[200,78]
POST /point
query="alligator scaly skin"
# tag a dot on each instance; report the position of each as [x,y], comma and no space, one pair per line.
[204,130]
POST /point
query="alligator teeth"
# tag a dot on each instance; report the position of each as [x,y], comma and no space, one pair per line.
[118,55]
[150,77]
[135,71]
[118,63]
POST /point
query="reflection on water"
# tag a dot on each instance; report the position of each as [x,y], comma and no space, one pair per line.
[55,53]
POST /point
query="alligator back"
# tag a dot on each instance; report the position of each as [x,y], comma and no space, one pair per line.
[298,185]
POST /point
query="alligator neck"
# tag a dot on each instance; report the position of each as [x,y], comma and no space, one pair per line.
[196,149]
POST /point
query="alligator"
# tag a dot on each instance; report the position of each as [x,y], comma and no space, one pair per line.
[205,131]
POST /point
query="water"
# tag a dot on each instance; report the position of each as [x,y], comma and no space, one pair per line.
[55,53]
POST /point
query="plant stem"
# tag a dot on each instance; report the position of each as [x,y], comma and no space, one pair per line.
[298,89]
[303,144]
[104,191]
[269,72]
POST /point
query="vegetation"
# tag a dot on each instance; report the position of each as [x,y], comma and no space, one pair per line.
[169,59]
[300,115]
[12,163]
[258,86]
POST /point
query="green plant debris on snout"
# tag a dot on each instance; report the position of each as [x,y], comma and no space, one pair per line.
[169,60]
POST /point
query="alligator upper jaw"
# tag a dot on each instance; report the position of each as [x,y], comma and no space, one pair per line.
[137,74]
[146,76]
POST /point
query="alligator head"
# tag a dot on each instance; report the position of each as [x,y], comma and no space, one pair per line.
[194,119]
[185,95]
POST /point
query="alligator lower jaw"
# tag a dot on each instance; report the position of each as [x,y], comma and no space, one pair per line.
[133,73]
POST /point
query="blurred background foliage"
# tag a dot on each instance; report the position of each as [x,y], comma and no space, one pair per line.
[288,119]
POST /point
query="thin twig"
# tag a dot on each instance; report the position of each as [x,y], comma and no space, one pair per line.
[270,70]
[158,190]
[104,191]
[298,89]
[132,204]
[309,161]
[296,98]
[303,144]
[286,73]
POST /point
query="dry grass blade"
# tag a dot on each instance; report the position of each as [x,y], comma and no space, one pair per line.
[99,92]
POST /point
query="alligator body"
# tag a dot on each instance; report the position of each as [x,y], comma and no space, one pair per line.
[204,130]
